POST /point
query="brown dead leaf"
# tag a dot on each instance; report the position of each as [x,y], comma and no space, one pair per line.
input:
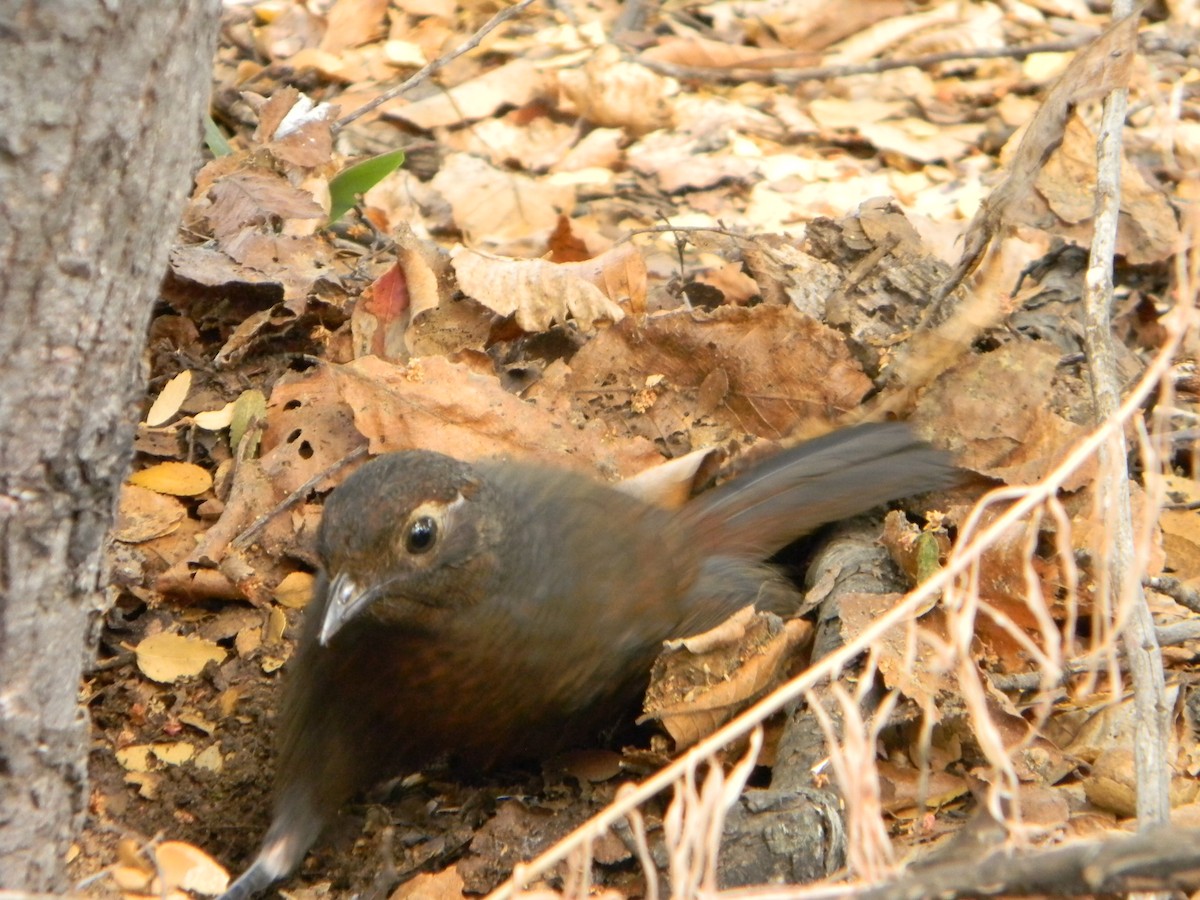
[181,865]
[610,92]
[1146,230]
[309,429]
[735,285]
[351,23]
[444,885]
[381,315]
[293,261]
[144,514]
[910,792]
[672,483]
[782,369]
[173,867]
[295,591]
[1098,69]
[513,84]
[437,403]
[253,198]
[693,693]
[921,140]
[681,162]
[696,51]
[501,211]
[1181,542]
[538,293]
[295,130]
[913,667]
[970,407]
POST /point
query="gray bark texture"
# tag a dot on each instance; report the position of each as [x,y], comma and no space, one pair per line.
[100,120]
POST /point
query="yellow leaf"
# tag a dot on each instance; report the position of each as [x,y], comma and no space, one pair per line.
[135,757]
[175,478]
[190,868]
[295,590]
[175,754]
[168,657]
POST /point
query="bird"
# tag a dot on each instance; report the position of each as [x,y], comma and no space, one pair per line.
[495,611]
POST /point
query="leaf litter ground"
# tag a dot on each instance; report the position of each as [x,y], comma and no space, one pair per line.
[486,299]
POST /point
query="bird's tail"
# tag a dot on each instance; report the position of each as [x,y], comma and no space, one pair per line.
[833,477]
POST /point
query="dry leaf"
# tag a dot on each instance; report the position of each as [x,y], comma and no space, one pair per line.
[168,657]
[538,293]
[610,92]
[381,316]
[295,590]
[183,866]
[215,419]
[143,514]
[170,399]
[499,210]
[693,694]
[143,757]
[1099,68]
[256,197]
[176,478]
[514,84]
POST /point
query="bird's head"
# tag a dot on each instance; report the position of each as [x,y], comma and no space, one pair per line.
[400,541]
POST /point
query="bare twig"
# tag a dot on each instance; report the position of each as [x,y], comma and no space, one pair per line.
[774,75]
[1119,577]
[429,68]
[243,540]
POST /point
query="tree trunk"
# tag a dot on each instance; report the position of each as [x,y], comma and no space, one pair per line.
[101,105]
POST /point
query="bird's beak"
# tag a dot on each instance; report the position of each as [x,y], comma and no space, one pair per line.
[346,600]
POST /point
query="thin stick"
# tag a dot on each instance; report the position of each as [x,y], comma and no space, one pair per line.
[822,73]
[243,540]
[1118,575]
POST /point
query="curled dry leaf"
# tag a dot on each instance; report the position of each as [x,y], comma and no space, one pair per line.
[174,867]
[672,483]
[608,91]
[693,694]
[190,868]
[143,515]
[176,478]
[295,590]
[169,657]
[170,399]
[248,408]
[215,419]
[538,293]
[381,316]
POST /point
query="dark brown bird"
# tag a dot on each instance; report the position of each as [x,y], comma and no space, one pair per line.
[494,611]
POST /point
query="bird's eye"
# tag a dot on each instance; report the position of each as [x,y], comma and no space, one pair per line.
[422,534]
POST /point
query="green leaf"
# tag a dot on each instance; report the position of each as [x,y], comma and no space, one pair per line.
[217,145]
[352,182]
[250,406]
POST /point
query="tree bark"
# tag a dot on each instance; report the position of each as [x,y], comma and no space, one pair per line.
[102,108]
